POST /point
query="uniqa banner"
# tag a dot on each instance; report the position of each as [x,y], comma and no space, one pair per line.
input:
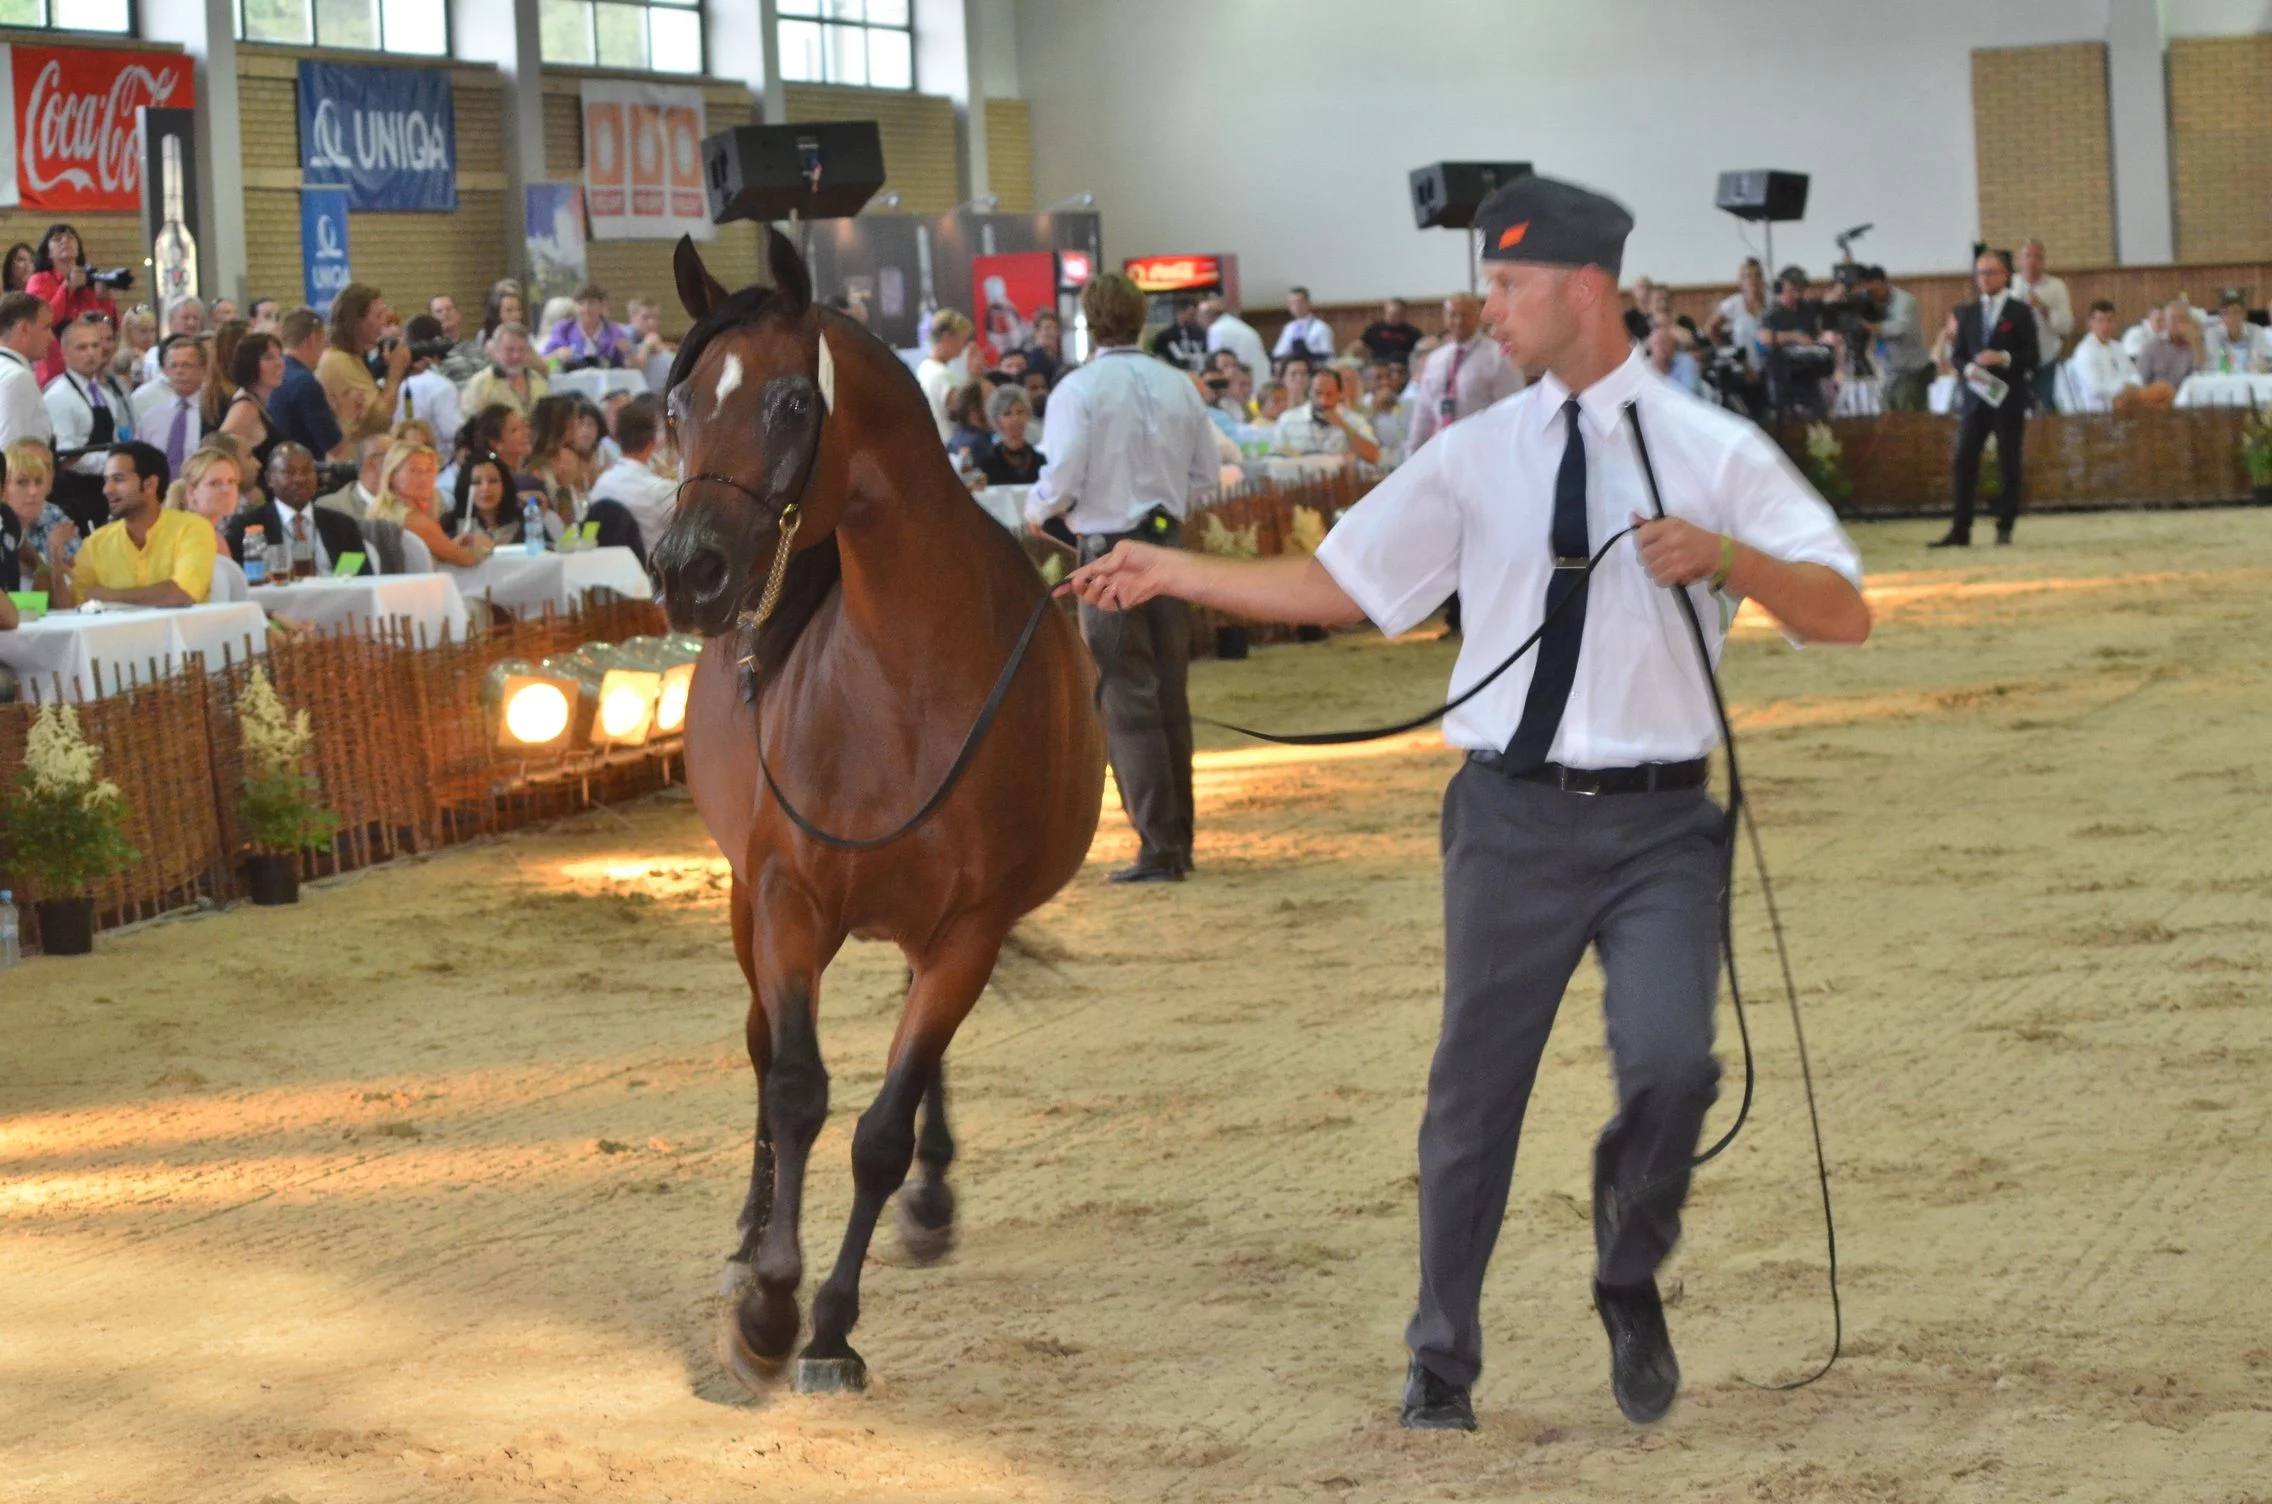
[69,136]
[323,244]
[386,135]
[643,161]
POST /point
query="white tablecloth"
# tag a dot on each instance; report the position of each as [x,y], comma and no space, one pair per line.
[596,383]
[123,644]
[1006,505]
[431,603]
[522,582]
[2210,389]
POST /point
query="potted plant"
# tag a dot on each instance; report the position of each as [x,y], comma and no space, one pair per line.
[278,811]
[64,830]
[1826,464]
[2256,454]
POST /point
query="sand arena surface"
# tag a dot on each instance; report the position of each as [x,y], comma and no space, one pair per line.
[420,1191]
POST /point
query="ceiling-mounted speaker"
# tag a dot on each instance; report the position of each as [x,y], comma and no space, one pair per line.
[1445,195]
[768,172]
[1763,193]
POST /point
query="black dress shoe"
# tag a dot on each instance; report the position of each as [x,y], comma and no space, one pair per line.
[1148,872]
[1952,540]
[1643,1373]
[1430,1404]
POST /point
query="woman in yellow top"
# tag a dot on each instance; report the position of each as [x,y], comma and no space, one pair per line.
[406,496]
[146,555]
[363,404]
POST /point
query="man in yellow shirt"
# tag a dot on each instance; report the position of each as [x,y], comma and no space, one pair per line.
[145,555]
[363,404]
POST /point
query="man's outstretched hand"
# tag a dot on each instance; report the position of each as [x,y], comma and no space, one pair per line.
[1130,575]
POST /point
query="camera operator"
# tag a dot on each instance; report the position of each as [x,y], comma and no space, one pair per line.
[60,280]
[361,398]
[1797,353]
[427,393]
[1907,361]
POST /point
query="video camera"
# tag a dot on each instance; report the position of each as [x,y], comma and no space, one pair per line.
[117,279]
[375,358]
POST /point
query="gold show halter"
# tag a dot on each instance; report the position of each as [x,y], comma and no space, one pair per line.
[752,622]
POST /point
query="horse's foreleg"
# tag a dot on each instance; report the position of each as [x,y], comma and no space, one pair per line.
[926,1217]
[947,983]
[750,1225]
[791,952]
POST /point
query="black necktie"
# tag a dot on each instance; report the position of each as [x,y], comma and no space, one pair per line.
[1557,666]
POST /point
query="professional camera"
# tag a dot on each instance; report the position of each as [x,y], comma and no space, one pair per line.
[1853,302]
[375,358]
[117,279]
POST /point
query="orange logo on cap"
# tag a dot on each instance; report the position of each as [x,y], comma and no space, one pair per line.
[1512,235]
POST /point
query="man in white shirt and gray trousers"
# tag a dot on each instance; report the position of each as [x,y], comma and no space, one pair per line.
[1129,445]
[1580,817]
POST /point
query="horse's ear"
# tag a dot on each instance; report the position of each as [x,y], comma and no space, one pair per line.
[792,284]
[698,291]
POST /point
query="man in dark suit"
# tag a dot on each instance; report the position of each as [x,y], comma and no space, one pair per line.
[1995,342]
[291,478]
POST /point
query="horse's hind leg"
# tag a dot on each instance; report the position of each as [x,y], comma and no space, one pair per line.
[926,1209]
[790,955]
[947,982]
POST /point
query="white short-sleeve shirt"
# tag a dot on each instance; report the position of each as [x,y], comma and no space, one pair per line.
[1472,511]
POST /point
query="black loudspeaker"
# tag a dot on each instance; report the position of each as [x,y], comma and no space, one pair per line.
[1445,195]
[767,172]
[1777,197]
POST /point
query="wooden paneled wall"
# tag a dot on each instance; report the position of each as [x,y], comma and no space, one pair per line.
[2043,150]
[918,132]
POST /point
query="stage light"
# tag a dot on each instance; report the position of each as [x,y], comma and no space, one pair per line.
[616,694]
[530,708]
[674,657]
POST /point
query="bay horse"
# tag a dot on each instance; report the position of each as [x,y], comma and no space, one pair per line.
[888,611]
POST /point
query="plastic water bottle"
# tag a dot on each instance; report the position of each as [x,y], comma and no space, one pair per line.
[532,526]
[256,555]
[11,931]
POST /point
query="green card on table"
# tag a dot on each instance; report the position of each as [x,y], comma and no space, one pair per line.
[30,602]
[349,563]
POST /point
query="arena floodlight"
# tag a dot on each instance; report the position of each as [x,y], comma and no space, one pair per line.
[673,656]
[615,696]
[530,708]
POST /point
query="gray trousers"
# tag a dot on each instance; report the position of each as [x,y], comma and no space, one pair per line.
[1532,877]
[1143,657]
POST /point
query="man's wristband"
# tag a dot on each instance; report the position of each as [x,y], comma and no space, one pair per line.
[1727,562]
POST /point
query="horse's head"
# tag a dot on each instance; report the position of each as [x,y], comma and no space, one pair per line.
[749,393]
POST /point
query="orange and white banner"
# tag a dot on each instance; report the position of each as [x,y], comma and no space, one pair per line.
[643,161]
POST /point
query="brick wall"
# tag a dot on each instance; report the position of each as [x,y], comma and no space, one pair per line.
[918,133]
[1009,154]
[2220,139]
[2040,138]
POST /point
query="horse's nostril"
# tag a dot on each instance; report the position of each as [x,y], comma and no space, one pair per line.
[705,574]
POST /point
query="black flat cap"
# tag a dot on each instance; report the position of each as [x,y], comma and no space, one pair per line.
[1561,224]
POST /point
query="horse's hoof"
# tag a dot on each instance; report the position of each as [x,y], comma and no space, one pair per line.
[752,1369]
[845,1375]
[925,1220]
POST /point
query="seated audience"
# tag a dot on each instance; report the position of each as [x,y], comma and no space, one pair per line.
[1010,460]
[210,485]
[1391,337]
[1736,321]
[146,555]
[2175,353]
[512,376]
[292,515]
[170,414]
[506,304]
[554,461]
[1386,410]
[185,318]
[483,502]
[466,355]
[647,340]
[1323,425]
[2134,338]
[222,311]
[138,335]
[1046,354]
[588,338]
[406,498]
[299,406]
[2097,370]
[1036,384]
[946,368]
[631,483]
[266,316]
[220,349]
[1661,316]
[970,438]
[427,392]
[354,499]
[29,519]
[1667,359]
[1295,371]
[2236,346]
[1183,343]
[257,372]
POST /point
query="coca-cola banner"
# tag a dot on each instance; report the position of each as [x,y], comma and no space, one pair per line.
[643,161]
[69,140]
[386,135]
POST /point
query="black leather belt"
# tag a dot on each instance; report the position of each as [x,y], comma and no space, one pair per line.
[1648,778]
[1158,526]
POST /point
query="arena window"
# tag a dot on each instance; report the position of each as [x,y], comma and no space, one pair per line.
[864,43]
[659,36]
[419,27]
[116,16]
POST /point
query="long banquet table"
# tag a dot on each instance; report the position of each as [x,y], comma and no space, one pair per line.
[520,581]
[430,603]
[92,654]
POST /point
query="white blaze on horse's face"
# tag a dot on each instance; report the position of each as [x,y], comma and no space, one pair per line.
[827,376]
[729,377]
